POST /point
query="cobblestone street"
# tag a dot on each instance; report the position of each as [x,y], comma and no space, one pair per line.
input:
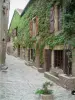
[19,82]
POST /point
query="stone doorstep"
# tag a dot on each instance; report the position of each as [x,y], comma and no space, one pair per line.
[63,80]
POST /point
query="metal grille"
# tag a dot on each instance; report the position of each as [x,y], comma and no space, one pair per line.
[58,58]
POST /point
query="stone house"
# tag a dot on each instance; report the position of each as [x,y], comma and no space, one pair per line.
[42,20]
[13,34]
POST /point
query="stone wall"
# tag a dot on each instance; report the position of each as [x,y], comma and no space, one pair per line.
[73,63]
[4,13]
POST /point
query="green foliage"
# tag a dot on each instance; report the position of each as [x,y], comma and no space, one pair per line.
[69,19]
[14,22]
[41,8]
[45,89]
[55,40]
[44,92]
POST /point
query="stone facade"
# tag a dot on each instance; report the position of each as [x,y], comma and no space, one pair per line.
[10,45]
[49,53]
[56,73]
[4,15]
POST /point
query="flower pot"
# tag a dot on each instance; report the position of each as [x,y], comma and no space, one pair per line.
[47,97]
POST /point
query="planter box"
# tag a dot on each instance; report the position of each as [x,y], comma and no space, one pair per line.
[67,82]
[41,70]
[47,97]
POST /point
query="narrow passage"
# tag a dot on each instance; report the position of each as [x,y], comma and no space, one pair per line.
[20,82]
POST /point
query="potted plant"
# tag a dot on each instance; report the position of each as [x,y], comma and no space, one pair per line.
[45,92]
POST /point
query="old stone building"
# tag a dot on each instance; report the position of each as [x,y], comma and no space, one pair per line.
[41,32]
[4,16]
[59,61]
[14,33]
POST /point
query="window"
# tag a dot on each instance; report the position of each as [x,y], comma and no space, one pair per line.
[52,20]
[59,18]
[14,32]
[31,27]
[55,18]
[34,26]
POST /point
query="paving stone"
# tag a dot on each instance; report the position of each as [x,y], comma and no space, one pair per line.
[20,82]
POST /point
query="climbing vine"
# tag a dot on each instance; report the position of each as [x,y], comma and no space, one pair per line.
[14,22]
[41,8]
[69,19]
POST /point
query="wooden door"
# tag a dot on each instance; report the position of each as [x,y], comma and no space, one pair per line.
[29,54]
[32,54]
[18,50]
[47,59]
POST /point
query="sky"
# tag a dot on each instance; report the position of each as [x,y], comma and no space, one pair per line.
[14,4]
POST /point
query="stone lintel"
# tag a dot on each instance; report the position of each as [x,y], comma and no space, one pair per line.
[59,47]
[46,47]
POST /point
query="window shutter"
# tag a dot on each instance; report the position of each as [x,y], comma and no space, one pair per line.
[47,59]
[59,18]
[31,28]
[36,25]
[52,20]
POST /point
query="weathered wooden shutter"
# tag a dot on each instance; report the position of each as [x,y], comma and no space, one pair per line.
[18,50]
[52,20]
[47,59]
[31,28]
[36,25]
[59,18]
[31,53]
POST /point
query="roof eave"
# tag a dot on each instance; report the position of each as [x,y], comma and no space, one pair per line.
[25,8]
